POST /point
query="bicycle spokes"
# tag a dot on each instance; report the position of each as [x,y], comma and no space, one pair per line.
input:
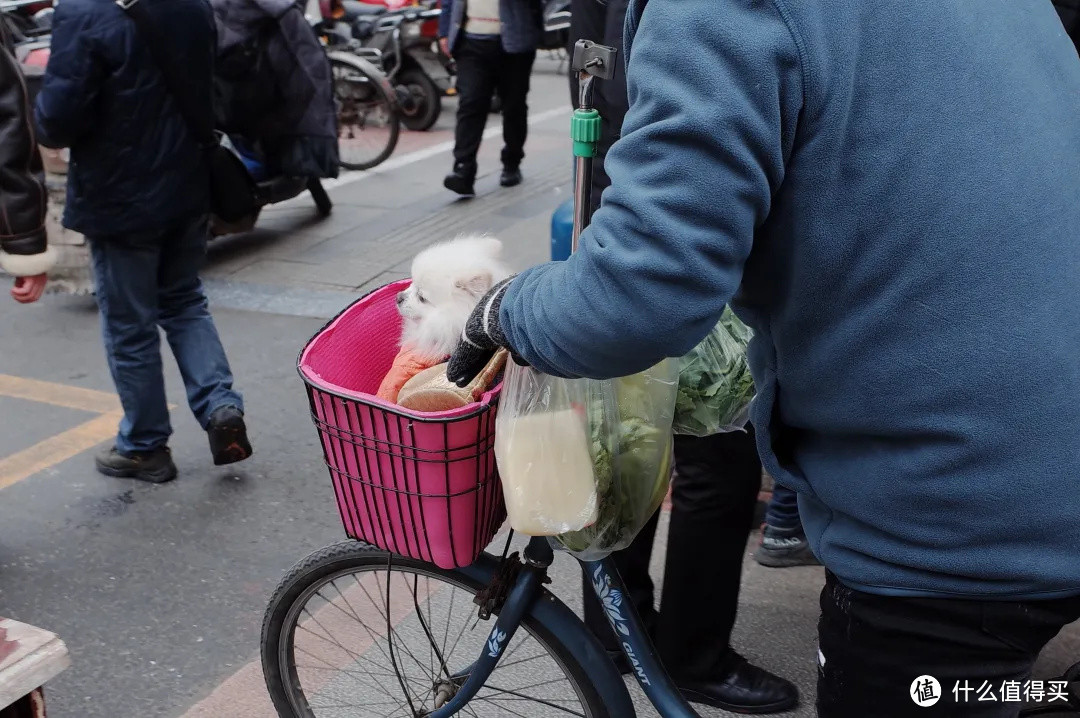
[394,641]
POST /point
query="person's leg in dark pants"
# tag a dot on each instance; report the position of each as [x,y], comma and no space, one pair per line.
[783,542]
[185,317]
[515,73]
[783,510]
[712,512]
[125,274]
[477,76]
[873,648]
[714,492]
[183,314]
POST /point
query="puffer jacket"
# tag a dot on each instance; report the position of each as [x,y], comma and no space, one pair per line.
[23,248]
[292,113]
[135,165]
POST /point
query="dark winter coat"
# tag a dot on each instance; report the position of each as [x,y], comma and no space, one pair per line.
[22,186]
[135,165]
[295,121]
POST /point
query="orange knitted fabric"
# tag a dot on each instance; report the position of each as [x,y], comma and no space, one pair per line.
[406,365]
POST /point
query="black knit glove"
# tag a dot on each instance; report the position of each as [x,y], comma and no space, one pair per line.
[481,338]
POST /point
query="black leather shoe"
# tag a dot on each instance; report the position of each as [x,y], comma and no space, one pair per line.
[741,687]
[155,466]
[228,436]
[461,179]
[511,177]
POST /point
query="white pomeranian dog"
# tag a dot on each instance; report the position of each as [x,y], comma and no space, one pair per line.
[448,280]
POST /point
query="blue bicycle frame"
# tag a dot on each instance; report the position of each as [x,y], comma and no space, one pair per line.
[622,616]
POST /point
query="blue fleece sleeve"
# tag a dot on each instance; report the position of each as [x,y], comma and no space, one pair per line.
[446,7]
[64,110]
[715,88]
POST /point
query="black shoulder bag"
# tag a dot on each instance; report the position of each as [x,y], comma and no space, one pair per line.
[232,191]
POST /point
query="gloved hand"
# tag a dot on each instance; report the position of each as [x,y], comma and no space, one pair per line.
[481,338]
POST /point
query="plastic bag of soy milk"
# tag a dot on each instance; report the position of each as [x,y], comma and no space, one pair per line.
[585,461]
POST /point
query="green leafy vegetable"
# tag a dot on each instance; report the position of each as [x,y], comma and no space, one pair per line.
[715,385]
[631,452]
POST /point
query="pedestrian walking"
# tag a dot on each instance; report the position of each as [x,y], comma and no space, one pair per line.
[493,43]
[24,250]
[138,188]
[887,194]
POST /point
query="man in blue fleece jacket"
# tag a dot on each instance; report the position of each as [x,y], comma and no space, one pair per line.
[889,194]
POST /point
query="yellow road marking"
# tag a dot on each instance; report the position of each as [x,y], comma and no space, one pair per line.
[47,392]
[63,446]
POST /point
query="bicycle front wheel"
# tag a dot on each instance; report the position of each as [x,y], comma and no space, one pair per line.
[352,632]
[367,115]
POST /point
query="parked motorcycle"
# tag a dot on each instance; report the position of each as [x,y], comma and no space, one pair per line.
[404,41]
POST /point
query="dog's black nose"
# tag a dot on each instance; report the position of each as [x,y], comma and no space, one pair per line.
[400,298]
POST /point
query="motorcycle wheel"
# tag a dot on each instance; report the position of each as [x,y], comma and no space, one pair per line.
[426,100]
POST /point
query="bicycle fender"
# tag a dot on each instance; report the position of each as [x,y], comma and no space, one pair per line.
[369,69]
[557,618]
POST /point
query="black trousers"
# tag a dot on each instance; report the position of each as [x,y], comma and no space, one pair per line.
[482,68]
[873,648]
[713,497]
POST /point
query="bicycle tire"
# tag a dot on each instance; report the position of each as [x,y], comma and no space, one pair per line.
[384,96]
[339,557]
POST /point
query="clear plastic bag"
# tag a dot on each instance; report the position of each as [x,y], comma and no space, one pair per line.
[587,462]
[715,385]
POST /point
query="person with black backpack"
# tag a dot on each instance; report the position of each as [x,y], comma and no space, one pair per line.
[139,188]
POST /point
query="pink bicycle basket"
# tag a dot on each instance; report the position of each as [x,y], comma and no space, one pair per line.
[417,484]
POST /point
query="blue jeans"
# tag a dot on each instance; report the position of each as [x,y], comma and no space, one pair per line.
[783,510]
[147,281]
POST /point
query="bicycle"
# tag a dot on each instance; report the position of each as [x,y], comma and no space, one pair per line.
[369,120]
[368,114]
[425,489]
[409,667]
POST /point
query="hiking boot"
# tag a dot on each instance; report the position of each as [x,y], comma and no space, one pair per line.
[461,179]
[781,548]
[228,436]
[511,177]
[155,466]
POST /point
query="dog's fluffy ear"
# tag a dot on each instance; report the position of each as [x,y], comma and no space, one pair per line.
[478,284]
